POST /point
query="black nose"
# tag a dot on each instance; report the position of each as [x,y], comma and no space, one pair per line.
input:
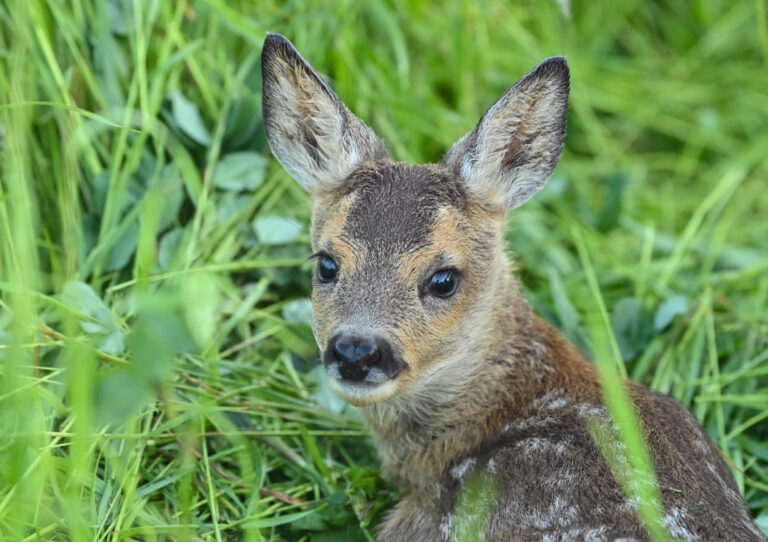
[354,350]
[356,356]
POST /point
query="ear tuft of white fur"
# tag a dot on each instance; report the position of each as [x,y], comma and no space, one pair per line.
[517,143]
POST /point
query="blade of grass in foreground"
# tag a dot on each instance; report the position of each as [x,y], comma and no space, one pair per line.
[639,483]
[23,461]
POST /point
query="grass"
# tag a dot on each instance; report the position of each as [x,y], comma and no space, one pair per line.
[156,377]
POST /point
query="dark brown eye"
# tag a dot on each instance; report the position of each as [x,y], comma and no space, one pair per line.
[327,269]
[444,283]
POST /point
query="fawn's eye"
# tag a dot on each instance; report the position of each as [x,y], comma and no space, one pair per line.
[443,283]
[327,268]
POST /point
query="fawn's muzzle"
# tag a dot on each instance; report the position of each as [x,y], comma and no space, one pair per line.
[362,359]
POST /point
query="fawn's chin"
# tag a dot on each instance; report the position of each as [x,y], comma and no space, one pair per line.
[362,393]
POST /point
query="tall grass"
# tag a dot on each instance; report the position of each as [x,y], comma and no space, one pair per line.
[156,377]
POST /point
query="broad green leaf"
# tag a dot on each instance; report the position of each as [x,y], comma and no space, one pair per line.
[99,187]
[231,204]
[632,325]
[120,17]
[169,245]
[240,171]
[89,228]
[243,122]
[159,333]
[188,117]
[171,190]
[123,249]
[323,394]
[338,512]
[312,522]
[276,230]
[113,342]
[298,311]
[762,523]
[120,394]
[201,294]
[668,311]
[81,297]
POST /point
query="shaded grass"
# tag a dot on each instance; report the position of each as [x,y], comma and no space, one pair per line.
[174,398]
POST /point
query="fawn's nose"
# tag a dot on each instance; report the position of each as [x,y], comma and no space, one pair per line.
[358,356]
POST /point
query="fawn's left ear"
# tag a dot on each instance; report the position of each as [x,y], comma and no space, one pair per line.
[516,145]
[311,132]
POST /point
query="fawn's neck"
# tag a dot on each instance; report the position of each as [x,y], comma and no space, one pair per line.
[419,437]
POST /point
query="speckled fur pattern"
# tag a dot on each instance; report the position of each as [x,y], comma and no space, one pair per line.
[488,386]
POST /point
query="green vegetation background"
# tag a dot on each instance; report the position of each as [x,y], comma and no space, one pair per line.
[156,364]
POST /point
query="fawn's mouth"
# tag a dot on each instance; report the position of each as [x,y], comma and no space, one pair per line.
[360,393]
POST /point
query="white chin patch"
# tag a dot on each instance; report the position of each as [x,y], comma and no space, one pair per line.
[374,388]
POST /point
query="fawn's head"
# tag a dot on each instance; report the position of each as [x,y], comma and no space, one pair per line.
[407,256]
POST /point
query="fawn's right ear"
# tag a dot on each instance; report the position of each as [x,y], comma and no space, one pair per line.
[516,145]
[311,132]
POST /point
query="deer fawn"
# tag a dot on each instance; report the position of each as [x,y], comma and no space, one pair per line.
[423,325]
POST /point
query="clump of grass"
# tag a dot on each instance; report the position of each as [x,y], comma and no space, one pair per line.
[156,377]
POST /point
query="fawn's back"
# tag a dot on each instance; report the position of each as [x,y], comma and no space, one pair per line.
[422,325]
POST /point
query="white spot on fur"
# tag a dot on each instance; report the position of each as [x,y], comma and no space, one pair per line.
[596,534]
[558,403]
[538,350]
[701,445]
[631,504]
[461,470]
[445,526]
[589,410]
[593,535]
[559,514]
[714,472]
[730,492]
[675,521]
[547,398]
[533,422]
[534,445]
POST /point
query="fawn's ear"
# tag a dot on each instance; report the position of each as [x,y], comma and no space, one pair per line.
[311,132]
[516,145]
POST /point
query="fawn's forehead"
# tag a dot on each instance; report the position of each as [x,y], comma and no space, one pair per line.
[398,206]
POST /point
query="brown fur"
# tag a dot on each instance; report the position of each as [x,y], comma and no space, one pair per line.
[487,386]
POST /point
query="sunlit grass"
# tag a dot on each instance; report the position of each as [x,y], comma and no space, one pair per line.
[156,374]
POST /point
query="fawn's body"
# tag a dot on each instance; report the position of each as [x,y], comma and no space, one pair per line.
[423,326]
